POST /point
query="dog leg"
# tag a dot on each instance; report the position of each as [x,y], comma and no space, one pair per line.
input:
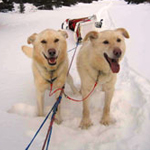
[58,118]
[70,82]
[106,120]
[40,103]
[86,121]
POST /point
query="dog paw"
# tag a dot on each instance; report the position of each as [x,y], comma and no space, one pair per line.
[106,121]
[85,123]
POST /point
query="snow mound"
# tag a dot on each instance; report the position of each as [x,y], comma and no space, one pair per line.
[23,110]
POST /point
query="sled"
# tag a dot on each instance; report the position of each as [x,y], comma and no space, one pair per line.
[81,26]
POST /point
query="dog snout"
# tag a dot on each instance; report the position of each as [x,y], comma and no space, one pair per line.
[117,52]
[52,52]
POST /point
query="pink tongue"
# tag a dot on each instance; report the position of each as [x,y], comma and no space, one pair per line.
[52,60]
[115,67]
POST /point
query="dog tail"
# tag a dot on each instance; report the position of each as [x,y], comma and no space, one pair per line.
[28,51]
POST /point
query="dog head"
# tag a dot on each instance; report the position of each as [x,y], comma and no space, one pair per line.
[110,45]
[49,46]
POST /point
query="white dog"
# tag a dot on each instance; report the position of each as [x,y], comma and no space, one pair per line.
[50,64]
[99,58]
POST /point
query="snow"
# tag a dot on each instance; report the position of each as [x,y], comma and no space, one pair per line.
[130,107]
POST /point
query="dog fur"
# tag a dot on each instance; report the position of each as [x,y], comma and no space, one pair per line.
[50,60]
[99,57]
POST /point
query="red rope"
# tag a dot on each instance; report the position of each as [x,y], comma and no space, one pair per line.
[51,88]
[48,132]
[59,89]
[72,99]
[75,100]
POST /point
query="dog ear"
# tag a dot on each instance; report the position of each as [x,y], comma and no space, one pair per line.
[63,33]
[32,38]
[28,51]
[123,32]
[91,36]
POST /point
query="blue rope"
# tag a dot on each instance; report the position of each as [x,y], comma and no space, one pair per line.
[78,42]
[71,50]
[54,106]
[49,137]
[53,115]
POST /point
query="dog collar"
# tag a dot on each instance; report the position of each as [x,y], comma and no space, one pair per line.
[50,71]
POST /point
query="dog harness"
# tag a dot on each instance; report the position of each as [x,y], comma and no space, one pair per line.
[52,80]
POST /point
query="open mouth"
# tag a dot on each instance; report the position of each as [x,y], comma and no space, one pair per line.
[51,60]
[113,63]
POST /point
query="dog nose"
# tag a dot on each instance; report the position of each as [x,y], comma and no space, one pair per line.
[52,52]
[117,52]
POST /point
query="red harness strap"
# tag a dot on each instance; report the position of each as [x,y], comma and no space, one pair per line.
[75,100]
[51,88]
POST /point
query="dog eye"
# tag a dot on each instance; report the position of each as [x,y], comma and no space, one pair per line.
[118,40]
[106,42]
[44,41]
[56,40]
